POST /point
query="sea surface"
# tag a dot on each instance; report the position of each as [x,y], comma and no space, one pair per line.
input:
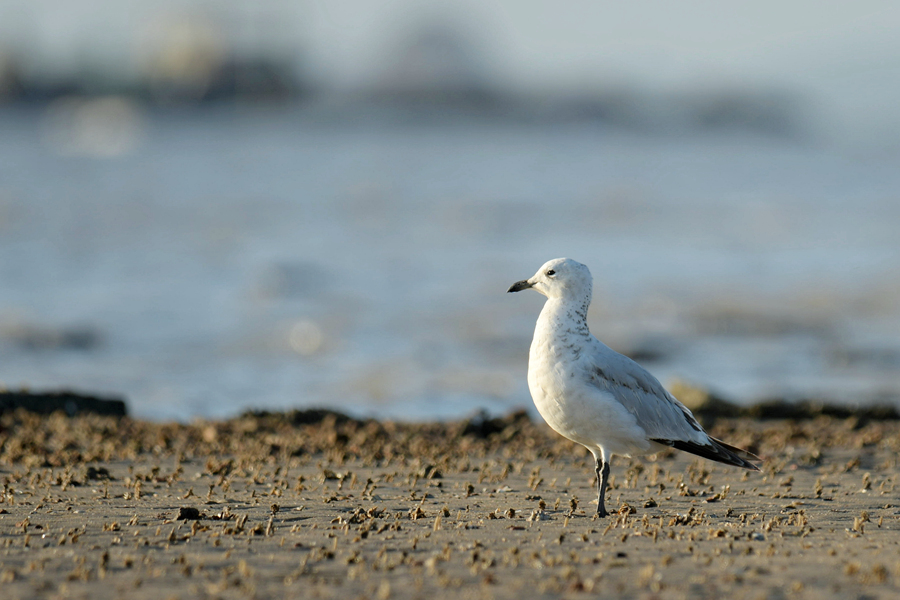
[206,261]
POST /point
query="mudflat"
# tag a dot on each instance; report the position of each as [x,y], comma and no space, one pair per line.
[317,505]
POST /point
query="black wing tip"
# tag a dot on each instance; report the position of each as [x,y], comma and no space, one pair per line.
[716,451]
[745,456]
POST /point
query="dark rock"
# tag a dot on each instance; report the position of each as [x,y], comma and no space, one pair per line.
[811,409]
[312,416]
[481,426]
[71,403]
[188,513]
[101,473]
[708,407]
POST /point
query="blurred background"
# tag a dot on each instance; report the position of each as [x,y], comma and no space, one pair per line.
[209,207]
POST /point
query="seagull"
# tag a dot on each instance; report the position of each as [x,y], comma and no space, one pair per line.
[595,396]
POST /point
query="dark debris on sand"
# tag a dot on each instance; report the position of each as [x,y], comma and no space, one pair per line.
[57,439]
[319,504]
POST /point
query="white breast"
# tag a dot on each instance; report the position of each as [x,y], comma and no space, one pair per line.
[557,366]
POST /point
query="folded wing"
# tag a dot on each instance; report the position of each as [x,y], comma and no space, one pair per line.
[663,418]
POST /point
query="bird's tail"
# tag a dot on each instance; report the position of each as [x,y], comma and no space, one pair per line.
[716,450]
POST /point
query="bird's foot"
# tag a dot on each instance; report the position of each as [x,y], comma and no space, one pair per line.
[601,512]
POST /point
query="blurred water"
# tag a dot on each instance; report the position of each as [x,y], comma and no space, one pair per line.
[215,260]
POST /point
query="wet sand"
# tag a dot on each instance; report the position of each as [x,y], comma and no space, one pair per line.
[315,505]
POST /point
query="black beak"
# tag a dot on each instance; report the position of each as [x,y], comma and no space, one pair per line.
[519,286]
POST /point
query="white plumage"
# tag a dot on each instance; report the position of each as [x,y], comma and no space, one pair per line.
[595,396]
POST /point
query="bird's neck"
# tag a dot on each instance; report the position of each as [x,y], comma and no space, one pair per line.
[565,318]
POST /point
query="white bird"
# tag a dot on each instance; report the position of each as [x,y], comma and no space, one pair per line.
[597,397]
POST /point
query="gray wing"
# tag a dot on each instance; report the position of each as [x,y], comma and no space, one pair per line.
[657,412]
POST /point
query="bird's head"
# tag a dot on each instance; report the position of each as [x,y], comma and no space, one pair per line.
[559,278]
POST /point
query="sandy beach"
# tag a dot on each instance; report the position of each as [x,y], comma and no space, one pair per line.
[317,505]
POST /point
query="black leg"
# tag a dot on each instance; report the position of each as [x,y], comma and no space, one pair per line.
[602,477]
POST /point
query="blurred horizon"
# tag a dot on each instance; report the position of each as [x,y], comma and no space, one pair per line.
[208,207]
[830,72]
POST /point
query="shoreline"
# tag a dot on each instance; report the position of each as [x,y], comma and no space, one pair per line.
[321,505]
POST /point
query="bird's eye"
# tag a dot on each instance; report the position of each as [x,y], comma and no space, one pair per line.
[551,273]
